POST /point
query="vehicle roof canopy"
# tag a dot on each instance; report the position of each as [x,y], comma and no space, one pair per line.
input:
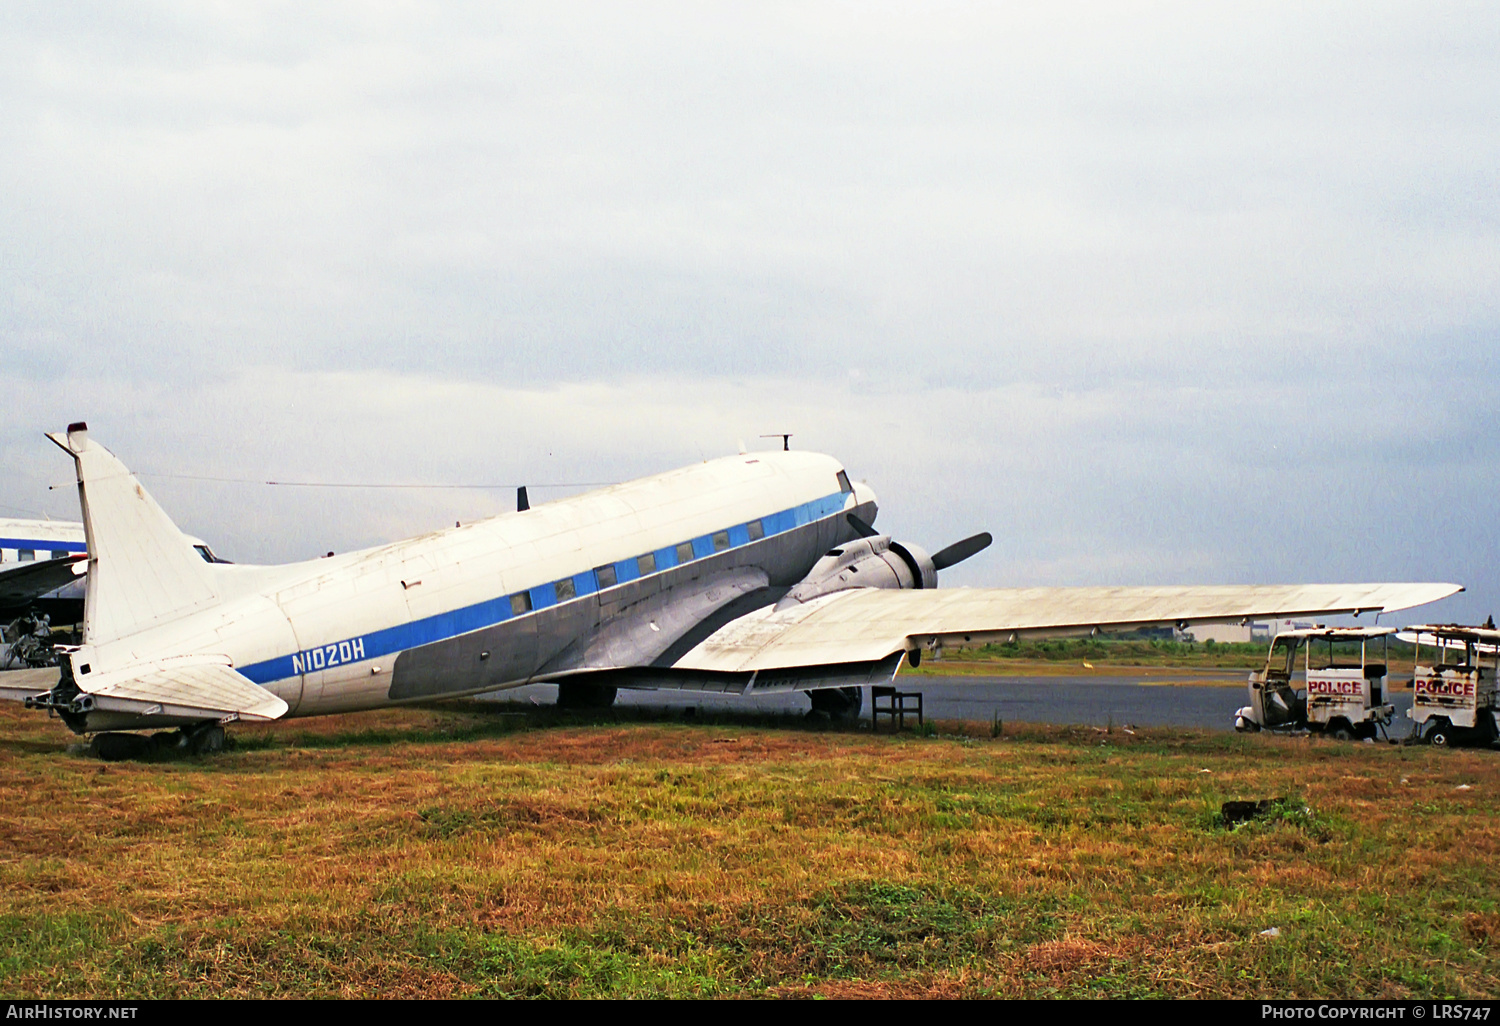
[1339,633]
[1457,631]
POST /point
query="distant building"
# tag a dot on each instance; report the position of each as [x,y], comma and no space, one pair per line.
[1221,633]
[1259,631]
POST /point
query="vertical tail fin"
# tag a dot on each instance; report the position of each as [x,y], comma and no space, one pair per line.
[142,569]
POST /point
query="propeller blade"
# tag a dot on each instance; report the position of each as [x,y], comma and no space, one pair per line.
[960,551]
[864,529]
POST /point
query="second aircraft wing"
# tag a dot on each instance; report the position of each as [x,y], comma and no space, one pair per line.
[21,583]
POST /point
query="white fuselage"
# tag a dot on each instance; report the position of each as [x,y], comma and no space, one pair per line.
[510,599]
[23,541]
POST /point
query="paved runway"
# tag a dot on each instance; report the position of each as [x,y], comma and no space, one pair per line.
[1140,699]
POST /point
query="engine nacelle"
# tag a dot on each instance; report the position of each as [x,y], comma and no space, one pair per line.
[874,562]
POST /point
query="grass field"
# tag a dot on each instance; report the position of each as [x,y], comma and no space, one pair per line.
[430,852]
[1103,655]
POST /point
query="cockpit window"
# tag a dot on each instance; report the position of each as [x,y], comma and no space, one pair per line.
[208,554]
[844,485]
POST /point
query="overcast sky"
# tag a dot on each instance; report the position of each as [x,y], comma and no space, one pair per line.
[1157,293]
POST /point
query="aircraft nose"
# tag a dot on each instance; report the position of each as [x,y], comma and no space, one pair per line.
[863,494]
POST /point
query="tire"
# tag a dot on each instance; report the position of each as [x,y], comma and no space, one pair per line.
[117,747]
[207,740]
[1441,735]
[836,705]
[1341,731]
[166,740]
[581,695]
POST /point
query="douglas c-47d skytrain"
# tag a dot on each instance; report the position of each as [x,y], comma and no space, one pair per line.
[750,574]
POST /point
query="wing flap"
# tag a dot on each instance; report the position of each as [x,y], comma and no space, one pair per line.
[865,625]
[195,683]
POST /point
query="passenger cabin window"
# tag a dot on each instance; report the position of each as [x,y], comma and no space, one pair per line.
[756,529]
[520,603]
[25,555]
[565,589]
[685,552]
[721,541]
[605,575]
[59,554]
[844,485]
[646,564]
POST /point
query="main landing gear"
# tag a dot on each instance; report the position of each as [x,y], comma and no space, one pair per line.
[119,746]
[836,705]
[583,695]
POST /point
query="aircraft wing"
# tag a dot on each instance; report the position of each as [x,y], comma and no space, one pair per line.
[20,583]
[866,625]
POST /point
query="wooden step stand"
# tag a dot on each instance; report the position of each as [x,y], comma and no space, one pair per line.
[898,705]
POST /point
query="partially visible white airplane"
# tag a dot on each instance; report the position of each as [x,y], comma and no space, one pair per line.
[41,558]
[37,557]
[754,573]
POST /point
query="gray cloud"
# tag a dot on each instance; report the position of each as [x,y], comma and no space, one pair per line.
[1155,292]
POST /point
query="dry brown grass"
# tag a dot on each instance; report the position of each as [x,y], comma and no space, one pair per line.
[452,853]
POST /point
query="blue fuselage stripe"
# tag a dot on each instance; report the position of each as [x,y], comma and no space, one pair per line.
[442,626]
[35,544]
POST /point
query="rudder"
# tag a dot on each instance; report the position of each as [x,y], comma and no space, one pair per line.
[142,569]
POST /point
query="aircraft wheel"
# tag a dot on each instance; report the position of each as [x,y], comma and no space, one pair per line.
[581,695]
[206,740]
[166,740]
[836,704]
[118,746]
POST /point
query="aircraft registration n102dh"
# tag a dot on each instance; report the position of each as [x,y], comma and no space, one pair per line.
[753,573]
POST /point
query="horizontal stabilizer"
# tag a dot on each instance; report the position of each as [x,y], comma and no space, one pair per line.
[867,624]
[19,685]
[189,685]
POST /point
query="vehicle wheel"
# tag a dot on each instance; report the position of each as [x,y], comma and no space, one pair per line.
[166,740]
[836,704]
[581,695]
[1440,735]
[1341,731]
[206,740]
[116,747]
